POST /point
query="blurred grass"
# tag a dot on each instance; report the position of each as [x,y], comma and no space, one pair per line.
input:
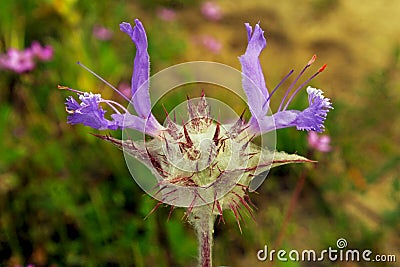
[67,199]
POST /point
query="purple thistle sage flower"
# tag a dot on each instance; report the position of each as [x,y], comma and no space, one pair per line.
[203,165]
[258,96]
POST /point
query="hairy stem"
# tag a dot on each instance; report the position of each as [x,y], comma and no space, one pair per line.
[203,219]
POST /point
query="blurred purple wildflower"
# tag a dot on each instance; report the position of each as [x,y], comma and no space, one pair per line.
[209,42]
[21,61]
[102,33]
[18,61]
[125,88]
[166,14]
[211,10]
[319,142]
[258,96]
[42,53]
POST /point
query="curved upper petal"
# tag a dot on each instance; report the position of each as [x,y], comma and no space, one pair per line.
[141,69]
[140,77]
[253,77]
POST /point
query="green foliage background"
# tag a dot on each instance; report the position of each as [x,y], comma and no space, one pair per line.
[67,199]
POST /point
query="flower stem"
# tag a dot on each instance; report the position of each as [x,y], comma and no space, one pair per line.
[203,219]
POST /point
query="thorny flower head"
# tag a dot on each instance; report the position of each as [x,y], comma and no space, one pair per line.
[202,161]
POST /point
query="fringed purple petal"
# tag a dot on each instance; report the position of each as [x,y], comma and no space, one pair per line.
[253,77]
[313,117]
[91,114]
[310,119]
[88,113]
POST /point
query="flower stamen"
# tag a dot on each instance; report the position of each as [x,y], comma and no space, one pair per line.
[104,81]
[303,84]
[309,63]
[61,87]
[111,104]
[69,111]
[276,87]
